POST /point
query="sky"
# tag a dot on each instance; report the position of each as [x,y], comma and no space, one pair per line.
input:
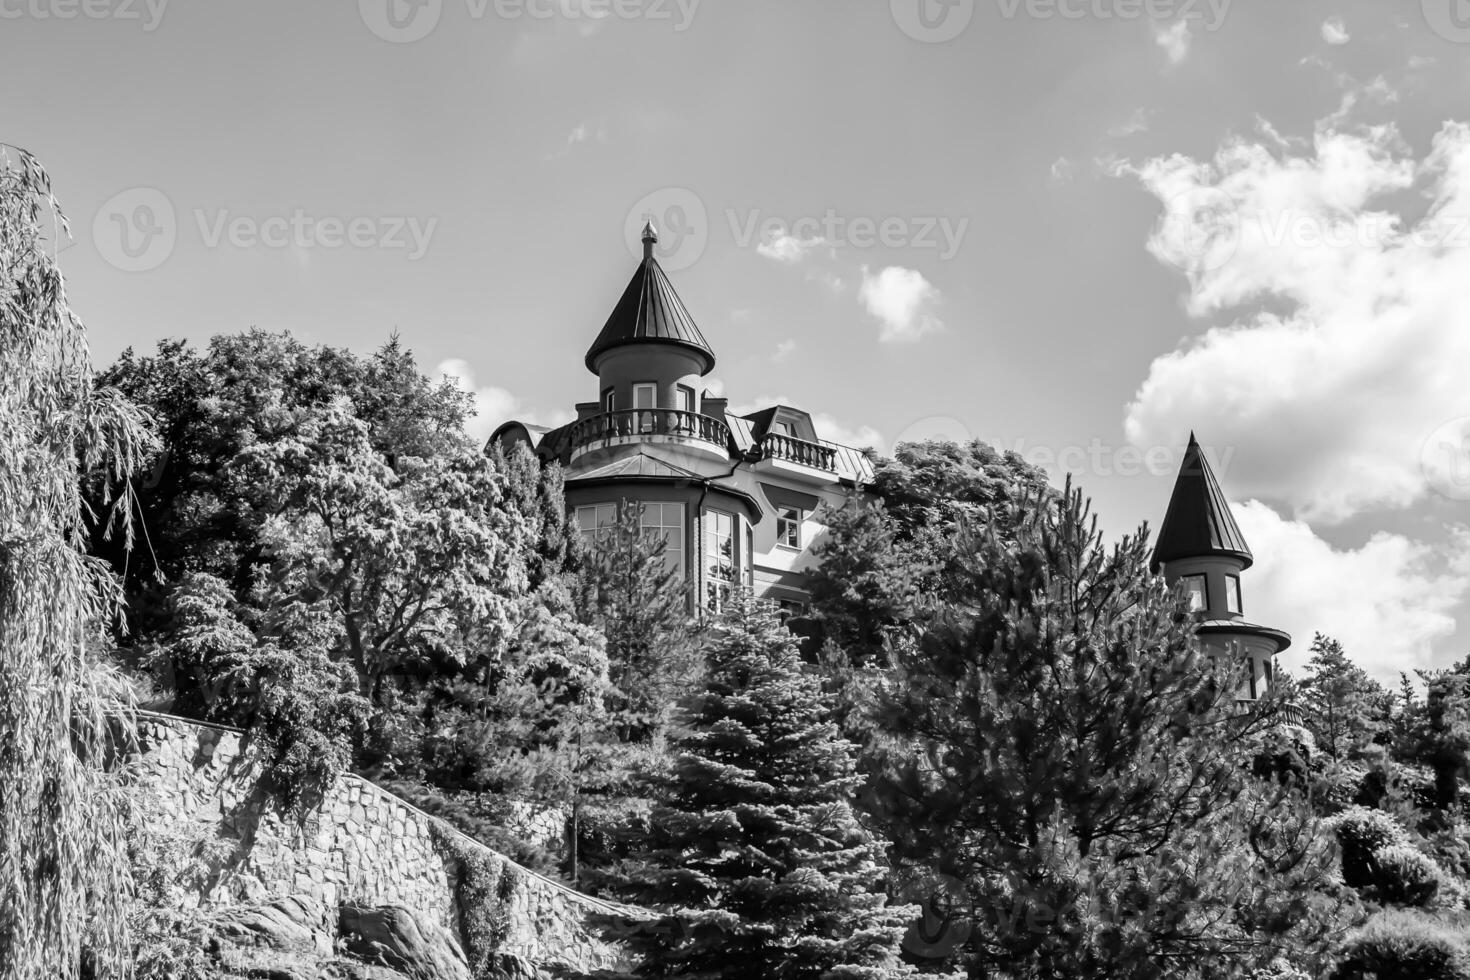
[1079,229]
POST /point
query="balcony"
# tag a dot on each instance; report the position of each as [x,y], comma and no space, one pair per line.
[798,451]
[1290,714]
[650,424]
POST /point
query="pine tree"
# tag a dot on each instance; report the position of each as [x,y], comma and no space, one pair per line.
[754,859]
[1059,743]
[641,606]
[1344,704]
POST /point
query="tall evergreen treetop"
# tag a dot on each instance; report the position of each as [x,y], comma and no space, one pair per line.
[755,861]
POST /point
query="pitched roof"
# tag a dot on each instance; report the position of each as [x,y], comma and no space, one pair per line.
[650,311]
[1199,523]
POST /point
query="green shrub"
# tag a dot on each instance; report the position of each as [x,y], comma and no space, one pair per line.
[1362,832]
[1404,876]
[1397,945]
[484,882]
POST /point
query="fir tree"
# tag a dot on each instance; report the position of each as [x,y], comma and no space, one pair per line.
[1345,705]
[641,605]
[754,861]
[1058,742]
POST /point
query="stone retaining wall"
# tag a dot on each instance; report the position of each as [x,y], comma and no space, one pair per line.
[361,846]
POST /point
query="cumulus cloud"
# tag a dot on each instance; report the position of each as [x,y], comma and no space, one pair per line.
[1334,31]
[1341,321]
[786,248]
[492,405]
[1387,601]
[903,301]
[1174,39]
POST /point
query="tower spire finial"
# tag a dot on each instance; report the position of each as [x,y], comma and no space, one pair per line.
[650,239]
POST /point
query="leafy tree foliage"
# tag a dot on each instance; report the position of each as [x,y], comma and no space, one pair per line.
[64,875]
[754,860]
[1060,744]
[879,559]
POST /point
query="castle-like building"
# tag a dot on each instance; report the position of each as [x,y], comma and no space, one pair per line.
[737,498]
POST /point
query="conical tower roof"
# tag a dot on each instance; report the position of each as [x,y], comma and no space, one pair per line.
[650,312]
[1199,523]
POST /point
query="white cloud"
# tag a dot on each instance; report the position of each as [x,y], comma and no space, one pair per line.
[1334,31]
[1387,601]
[786,248]
[1174,39]
[1342,320]
[835,283]
[783,350]
[1062,170]
[903,301]
[492,405]
[1137,122]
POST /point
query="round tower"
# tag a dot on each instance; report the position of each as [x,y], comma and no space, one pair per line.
[1201,549]
[650,354]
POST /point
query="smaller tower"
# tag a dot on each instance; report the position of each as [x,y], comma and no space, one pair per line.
[1200,546]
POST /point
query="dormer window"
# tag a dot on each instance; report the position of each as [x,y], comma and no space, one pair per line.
[1198,592]
[784,429]
[1232,594]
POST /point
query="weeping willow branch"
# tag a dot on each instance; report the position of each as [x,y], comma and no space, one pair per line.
[64,876]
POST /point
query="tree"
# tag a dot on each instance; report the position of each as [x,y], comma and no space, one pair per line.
[1444,741]
[641,605]
[1056,740]
[877,560]
[240,395]
[1347,708]
[64,876]
[754,860]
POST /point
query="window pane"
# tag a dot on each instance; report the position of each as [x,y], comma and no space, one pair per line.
[1195,586]
[1232,593]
